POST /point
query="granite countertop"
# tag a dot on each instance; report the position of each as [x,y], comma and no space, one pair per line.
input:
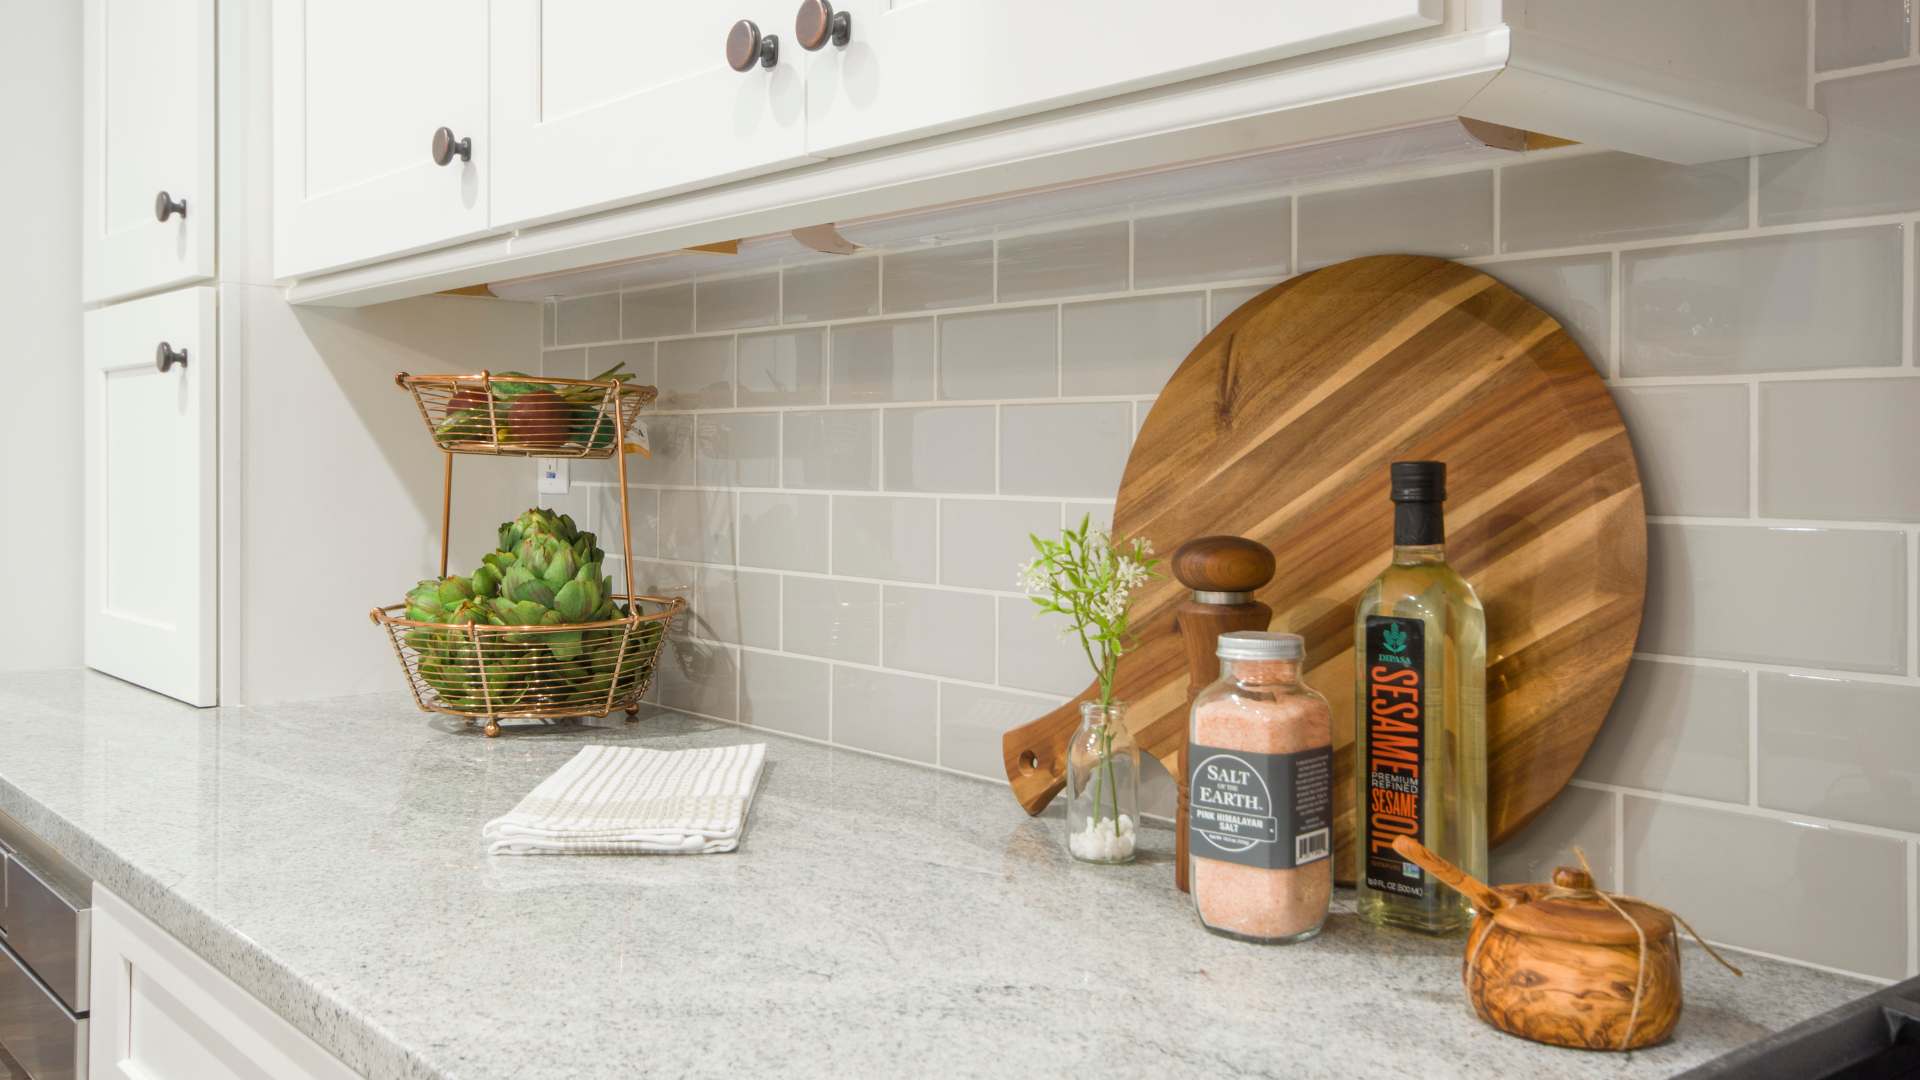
[878,919]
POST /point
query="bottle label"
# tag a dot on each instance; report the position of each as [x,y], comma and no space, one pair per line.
[1274,811]
[1395,712]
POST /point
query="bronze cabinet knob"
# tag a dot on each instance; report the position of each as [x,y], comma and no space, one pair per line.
[817,23]
[446,147]
[747,46]
[165,356]
[165,206]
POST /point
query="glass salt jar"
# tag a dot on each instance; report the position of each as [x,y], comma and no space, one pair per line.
[1260,822]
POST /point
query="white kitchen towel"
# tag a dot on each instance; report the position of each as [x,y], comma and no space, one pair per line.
[617,800]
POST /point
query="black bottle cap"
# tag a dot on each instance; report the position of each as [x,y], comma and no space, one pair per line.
[1419,481]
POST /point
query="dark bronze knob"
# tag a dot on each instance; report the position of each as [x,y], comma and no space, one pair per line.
[746,46]
[165,356]
[165,206]
[817,23]
[446,147]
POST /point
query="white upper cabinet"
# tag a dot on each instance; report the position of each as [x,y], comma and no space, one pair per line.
[916,68]
[151,539]
[598,102]
[361,90]
[148,135]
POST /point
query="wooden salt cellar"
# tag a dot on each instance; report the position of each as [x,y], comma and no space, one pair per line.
[1559,964]
[1223,572]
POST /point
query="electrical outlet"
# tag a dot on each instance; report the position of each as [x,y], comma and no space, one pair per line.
[553,475]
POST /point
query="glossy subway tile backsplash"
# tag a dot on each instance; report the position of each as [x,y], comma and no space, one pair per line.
[849,453]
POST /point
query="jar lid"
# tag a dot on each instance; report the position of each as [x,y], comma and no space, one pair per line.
[1260,645]
[1569,910]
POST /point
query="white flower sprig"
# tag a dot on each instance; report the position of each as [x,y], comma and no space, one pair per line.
[1086,577]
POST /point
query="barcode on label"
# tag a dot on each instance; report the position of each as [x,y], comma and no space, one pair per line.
[1310,846]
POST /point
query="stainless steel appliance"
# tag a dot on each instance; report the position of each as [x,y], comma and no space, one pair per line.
[45,928]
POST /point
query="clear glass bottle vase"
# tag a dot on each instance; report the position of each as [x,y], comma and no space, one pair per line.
[1103,786]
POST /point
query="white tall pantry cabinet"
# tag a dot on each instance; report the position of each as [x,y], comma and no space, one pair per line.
[151,344]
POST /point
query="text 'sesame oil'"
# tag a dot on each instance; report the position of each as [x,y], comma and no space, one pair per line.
[1420,655]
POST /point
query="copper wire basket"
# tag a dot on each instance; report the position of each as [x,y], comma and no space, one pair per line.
[526,415]
[490,673]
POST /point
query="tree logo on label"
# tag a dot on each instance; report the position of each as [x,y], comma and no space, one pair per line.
[1394,638]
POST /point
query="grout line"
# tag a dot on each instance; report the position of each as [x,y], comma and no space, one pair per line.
[1813,28]
[1131,224]
[1060,350]
[1777,669]
[1777,523]
[1910,266]
[1913,604]
[993,268]
[1896,64]
[1753,738]
[1753,451]
[1753,191]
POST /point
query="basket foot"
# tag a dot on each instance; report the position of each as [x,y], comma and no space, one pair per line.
[492,730]
[633,715]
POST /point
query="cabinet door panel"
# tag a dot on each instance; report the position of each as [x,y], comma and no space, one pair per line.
[150,494]
[148,127]
[359,88]
[916,67]
[599,102]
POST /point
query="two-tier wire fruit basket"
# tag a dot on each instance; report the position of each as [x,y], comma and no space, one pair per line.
[485,672]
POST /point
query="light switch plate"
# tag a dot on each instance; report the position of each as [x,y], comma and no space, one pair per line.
[553,475]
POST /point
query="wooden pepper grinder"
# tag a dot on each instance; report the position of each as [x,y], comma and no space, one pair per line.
[1223,572]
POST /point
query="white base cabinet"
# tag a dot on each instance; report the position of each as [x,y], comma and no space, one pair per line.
[162,1013]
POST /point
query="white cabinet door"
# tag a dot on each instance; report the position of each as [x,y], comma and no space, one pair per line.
[359,89]
[598,102]
[916,67]
[162,1013]
[147,129]
[150,492]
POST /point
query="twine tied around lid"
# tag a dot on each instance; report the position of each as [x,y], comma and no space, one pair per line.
[1556,891]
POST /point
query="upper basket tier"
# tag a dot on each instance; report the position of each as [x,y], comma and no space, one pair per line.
[518,415]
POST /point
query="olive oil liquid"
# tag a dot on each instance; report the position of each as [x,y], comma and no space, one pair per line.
[1420,738]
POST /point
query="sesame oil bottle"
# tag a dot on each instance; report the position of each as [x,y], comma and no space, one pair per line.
[1420,723]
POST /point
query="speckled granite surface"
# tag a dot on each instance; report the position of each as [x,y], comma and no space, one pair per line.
[878,919]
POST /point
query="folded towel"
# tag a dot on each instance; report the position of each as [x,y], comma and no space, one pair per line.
[616,800]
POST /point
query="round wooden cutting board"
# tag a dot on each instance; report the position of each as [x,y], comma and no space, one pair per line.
[1280,426]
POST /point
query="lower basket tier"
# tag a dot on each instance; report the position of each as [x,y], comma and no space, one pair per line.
[492,672]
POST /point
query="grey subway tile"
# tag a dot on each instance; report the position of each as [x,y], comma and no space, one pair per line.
[696,373]
[1247,240]
[740,607]
[738,450]
[1067,449]
[972,720]
[984,541]
[671,440]
[1127,346]
[1836,897]
[697,526]
[882,536]
[882,361]
[833,449]
[643,508]
[1609,197]
[1576,818]
[1449,216]
[1012,353]
[1848,33]
[1678,728]
[1033,655]
[937,632]
[1830,598]
[564,363]
[1844,749]
[839,620]
[587,318]
[958,275]
[1575,290]
[662,312]
[1846,449]
[1775,303]
[784,693]
[786,367]
[1691,444]
[783,530]
[629,356]
[940,449]
[1224,302]
[841,288]
[698,677]
[735,303]
[887,714]
[1870,163]
[1071,262]
[548,323]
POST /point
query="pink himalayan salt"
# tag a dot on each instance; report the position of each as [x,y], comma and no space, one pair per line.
[1249,900]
